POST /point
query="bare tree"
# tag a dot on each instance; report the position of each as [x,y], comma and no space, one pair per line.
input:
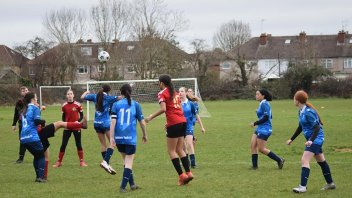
[65,25]
[232,34]
[120,18]
[33,48]
[102,21]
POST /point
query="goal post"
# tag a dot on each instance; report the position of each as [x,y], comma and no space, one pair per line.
[56,95]
[145,91]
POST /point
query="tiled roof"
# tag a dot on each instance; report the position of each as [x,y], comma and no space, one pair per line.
[10,57]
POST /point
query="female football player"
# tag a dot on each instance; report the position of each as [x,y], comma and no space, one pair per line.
[71,112]
[123,133]
[190,112]
[263,130]
[103,102]
[311,125]
[170,104]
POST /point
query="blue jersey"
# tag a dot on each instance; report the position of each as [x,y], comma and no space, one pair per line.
[102,118]
[196,107]
[29,131]
[308,119]
[264,109]
[126,120]
[189,111]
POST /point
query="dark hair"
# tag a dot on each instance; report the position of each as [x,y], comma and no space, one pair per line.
[126,90]
[166,79]
[26,100]
[267,95]
[100,97]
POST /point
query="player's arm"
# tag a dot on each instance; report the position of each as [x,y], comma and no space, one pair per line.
[295,135]
[83,96]
[142,123]
[15,117]
[158,112]
[200,123]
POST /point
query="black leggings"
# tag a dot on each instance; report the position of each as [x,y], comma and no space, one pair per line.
[22,146]
[66,136]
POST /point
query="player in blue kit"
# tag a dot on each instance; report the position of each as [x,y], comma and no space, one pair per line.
[190,112]
[29,134]
[103,102]
[263,130]
[311,125]
[123,133]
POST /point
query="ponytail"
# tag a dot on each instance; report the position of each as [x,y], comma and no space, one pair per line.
[166,79]
[26,100]
[100,97]
[126,90]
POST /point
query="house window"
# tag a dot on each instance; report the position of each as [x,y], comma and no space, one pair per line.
[270,63]
[100,49]
[287,41]
[130,47]
[82,69]
[131,69]
[326,63]
[101,68]
[347,63]
[31,70]
[86,51]
[225,65]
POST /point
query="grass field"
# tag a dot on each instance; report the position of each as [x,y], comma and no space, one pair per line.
[223,157]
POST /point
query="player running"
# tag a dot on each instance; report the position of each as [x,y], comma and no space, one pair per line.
[263,130]
[170,104]
[72,111]
[190,112]
[312,127]
[103,102]
[123,133]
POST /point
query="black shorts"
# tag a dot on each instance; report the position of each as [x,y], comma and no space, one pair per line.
[126,148]
[47,132]
[177,130]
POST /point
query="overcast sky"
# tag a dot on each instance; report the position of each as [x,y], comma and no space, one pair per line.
[21,20]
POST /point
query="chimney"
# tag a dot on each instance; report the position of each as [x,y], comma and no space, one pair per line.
[341,37]
[302,37]
[263,39]
[80,41]
[89,41]
[115,41]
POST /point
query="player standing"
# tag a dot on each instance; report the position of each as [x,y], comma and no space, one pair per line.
[263,130]
[170,104]
[71,112]
[103,102]
[17,118]
[123,133]
[311,125]
[190,112]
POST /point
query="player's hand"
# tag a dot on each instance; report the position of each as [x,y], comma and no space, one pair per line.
[148,119]
[203,130]
[308,143]
[14,128]
[252,124]
[288,142]
[42,108]
[112,143]
[144,139]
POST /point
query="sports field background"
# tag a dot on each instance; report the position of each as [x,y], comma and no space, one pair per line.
[222,155]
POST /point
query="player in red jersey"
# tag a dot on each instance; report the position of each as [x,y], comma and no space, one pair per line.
[71,112]
[170,104]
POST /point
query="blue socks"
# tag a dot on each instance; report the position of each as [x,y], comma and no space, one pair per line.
[326,171]
[274,157]
[255,160]
[125,178]
[103,154]
[108,155]
[192,158]
[39,166]
[131,181]
[304,176]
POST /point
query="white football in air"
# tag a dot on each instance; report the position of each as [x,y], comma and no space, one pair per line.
[103,56]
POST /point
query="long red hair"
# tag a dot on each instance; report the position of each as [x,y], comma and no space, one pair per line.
[302,97]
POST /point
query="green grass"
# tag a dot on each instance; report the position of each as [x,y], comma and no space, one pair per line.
[223,157]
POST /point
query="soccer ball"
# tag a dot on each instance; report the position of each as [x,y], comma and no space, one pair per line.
[103,56]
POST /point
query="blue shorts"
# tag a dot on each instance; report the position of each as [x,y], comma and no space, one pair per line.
[126,148]
[189,133]
[262,136]
[314,148]
[35,148]
[99,128]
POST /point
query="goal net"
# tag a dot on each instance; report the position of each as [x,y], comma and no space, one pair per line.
[145,91]
[49,95]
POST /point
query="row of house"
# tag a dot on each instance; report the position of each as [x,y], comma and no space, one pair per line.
[266,56]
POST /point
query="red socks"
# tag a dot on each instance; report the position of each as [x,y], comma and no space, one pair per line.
[61,156]
[74,125]
[46,169]
[80,155]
